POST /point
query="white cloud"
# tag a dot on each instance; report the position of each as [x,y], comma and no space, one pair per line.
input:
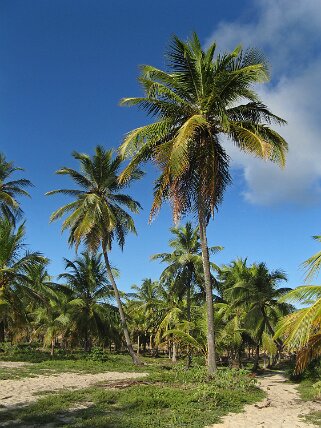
[289,32]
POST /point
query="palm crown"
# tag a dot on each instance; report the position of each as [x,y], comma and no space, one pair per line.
[185,261]
[257,289]
[99,209]
[15,266]
[197,101]
[87,277]
[10,189]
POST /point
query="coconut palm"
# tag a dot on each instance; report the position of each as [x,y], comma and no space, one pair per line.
[185,264]
[98,215]
[197,101]
[10,189]
[301,329]
[258,291]
[87,282]
[55,317]
[171,312]
[15,283]
[142,309]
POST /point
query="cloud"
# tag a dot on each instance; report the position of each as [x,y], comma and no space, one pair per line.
[289,32]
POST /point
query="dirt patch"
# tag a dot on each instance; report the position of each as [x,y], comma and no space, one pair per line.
[13,364]
[282,408]
[14,393]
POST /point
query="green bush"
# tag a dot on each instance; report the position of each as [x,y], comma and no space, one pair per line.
[98,354]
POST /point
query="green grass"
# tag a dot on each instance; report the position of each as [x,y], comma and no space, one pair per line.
[309,388]
[134,407]
[169,397]
[308,393]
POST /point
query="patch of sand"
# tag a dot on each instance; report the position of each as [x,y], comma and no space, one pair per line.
[12,364]
[14,393]
[281,409]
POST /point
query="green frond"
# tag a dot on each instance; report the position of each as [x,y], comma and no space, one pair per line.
[302,294]
[312,266]
[179,154]
[268,344]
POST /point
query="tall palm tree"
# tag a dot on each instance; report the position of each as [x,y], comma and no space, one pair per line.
[184,263]
[98,215]
[87,280]
[197,101]
[15,283]
[10,189]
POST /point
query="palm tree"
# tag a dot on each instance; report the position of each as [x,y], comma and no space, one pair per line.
[197,101]
[142,309]
[55,317]
[15,283]
[98,215]
[10,189]
[257,290]
[86,279]
[230,336]
[184,264]
[171,312]
[301,329]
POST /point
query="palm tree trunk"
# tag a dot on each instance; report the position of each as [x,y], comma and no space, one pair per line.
[188,308]
[135,358]
[86,344]
[174,354]
[52,350]
[257,358]
[2,337]
[211,358]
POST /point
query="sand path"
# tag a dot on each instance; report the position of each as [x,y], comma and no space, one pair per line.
[14,393]
[281,409]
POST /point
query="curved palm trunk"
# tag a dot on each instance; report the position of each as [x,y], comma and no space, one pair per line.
[135,358]
[211,358]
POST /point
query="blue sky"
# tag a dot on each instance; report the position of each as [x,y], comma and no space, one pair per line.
[66,64]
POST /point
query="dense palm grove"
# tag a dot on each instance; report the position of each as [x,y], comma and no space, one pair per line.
[228,314]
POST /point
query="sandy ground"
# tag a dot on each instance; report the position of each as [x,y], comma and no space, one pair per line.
[14,393]
[281,409]
[12,365]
